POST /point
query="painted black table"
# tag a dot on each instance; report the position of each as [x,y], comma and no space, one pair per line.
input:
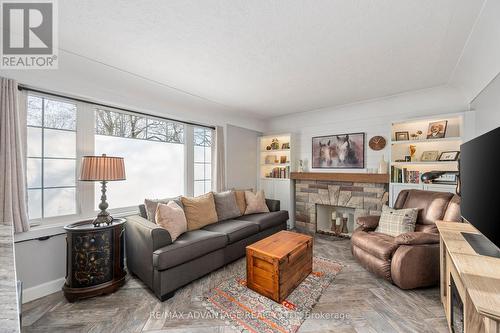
[95,259]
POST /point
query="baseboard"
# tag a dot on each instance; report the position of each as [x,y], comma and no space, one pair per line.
[41,290]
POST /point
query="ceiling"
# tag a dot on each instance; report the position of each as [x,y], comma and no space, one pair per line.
[267,58]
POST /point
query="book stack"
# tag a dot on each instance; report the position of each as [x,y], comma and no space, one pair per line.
[283,172]
[403,175]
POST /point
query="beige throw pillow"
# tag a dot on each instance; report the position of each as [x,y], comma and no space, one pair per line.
[256,202]
[395,222]
[171,217]
[200,211]
[240,201]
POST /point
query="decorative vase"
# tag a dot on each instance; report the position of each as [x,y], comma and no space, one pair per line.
[382,168]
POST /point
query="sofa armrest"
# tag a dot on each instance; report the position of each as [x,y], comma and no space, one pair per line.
[368,223]
[142,238]
[417,238]
[273,205]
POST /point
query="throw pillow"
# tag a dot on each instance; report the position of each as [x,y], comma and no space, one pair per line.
[240,201]
[397,221]
[256,202]
[152,204]
[171,217]
[200,211]
[226,206]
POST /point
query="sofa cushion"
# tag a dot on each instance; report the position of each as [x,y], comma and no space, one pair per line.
[256,202]
[171,217]
[379,245]
[234,230]
[266,220]
[240,200]
[200,211]
[190,245]
[397,221]
[226,206]
[152,204]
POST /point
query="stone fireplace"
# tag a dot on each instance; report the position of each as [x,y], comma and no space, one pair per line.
[349,195]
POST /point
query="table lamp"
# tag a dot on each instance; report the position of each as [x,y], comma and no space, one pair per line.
[103,169]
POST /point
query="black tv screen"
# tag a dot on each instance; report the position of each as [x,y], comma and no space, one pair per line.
[480,184]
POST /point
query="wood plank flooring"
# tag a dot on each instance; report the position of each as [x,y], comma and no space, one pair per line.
[9,319]
[357,300]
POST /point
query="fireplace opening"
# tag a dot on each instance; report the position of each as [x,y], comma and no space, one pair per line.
[335,220]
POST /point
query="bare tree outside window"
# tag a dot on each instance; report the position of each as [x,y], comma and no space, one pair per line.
[113,123]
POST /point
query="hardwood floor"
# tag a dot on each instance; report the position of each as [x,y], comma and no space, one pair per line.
[361,302]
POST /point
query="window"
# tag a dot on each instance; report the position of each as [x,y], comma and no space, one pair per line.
[162,158]
[51,157]
[202,140]
[154,156]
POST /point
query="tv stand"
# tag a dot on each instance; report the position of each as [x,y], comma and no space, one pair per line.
[475,279]
[481,244]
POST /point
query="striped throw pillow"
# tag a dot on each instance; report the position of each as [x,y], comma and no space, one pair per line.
[397,221]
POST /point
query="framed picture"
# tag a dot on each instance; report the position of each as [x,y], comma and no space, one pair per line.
[449,156]
[437,129]
[283,159]
[286,145]
[402,136]
[407,158]
[431,155]
[342,151]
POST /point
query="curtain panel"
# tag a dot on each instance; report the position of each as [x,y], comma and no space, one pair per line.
[13,205]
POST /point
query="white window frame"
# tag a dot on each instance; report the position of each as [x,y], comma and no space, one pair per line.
[85,145]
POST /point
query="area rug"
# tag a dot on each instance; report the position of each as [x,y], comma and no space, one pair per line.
[247,311]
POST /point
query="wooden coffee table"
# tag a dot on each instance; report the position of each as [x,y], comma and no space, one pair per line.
[277,264]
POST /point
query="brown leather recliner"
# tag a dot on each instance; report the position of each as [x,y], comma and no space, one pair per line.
[410,260]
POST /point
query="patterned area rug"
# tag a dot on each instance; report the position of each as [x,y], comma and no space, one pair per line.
[247,311]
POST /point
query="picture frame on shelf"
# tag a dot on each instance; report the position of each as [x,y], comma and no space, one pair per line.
[407,158]
[449,156]
[437,129]
[285,145]
[283,159]
[402,136]
[430,156]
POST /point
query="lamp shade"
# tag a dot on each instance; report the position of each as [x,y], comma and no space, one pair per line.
[99,168]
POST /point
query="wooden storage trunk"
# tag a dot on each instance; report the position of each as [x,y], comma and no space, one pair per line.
[277,264]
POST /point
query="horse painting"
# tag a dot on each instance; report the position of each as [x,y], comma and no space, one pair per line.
[339,151]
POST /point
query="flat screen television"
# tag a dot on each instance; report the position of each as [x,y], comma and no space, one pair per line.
[480,191]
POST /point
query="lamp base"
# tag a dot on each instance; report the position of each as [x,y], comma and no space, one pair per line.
[103,218]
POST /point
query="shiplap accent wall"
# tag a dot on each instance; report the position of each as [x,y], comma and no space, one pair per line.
[371,117]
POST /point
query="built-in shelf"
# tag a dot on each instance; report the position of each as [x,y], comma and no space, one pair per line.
[427,185]
[409,142]
[425,163]
[275,150]
[267,178]
[275,164]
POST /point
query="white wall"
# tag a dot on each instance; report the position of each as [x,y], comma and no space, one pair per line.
[372,117]
[480,59]
[487,108]
[241,157]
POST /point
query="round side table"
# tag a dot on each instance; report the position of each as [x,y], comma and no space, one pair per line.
[95,259]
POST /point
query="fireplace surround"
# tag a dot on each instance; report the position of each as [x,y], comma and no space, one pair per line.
[364,194]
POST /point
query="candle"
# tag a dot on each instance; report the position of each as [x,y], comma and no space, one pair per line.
[345,215]
[338,221]
[334,215]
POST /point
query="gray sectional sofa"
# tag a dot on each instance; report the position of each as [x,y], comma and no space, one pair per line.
[165,266]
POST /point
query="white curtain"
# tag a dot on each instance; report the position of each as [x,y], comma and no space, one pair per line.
[13,207]
[219,166]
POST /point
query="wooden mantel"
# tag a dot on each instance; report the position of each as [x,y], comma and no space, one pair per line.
[375,178]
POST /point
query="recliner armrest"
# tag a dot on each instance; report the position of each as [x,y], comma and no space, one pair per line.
[273,205]
[417,238]
[368,223]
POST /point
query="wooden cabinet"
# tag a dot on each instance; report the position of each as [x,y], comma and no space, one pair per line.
[95,259]
[472,278]
[277,264]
